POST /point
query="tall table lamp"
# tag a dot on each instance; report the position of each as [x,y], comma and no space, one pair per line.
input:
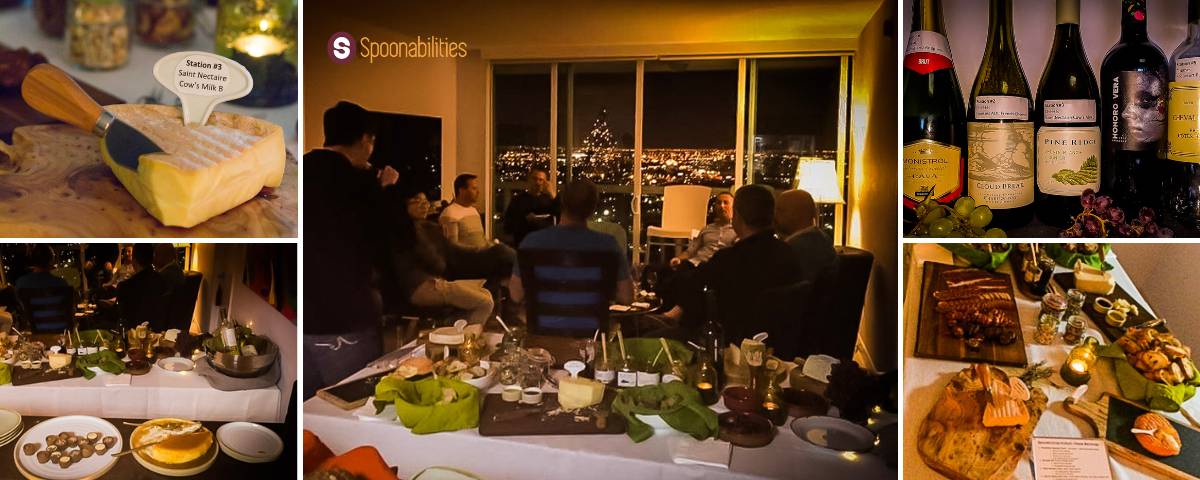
[820,179]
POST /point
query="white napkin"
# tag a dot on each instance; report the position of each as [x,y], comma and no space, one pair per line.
[686,450]
[366,412]
[121,380]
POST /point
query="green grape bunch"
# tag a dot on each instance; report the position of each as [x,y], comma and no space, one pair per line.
[963,220]
[1087,174]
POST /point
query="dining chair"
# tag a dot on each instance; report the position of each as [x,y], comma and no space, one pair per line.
[684,210]
[567,293]
[48,309]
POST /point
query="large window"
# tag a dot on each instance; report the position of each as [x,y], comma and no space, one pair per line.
[721,123]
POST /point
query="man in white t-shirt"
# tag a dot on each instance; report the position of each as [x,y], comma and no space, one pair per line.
[460,220]
[476,256]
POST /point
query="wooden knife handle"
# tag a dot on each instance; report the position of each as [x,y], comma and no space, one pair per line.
[51,91]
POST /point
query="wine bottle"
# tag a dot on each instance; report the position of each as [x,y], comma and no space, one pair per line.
[1181,176]
[712,335]
[1068,124]
[1000,141]
[1133,79]
[935,129]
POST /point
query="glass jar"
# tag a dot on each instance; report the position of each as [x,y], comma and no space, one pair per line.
[97,33]
[1075,300]
[261,36]
[164,22]
[1047,329]
[1053,304]
[1074,330]
[51,16]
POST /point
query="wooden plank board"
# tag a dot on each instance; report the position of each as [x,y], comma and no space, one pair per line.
[933,340]
[67,191]
[1066,280]
[501,418]
[953,441]
[1112,418]
[22,376]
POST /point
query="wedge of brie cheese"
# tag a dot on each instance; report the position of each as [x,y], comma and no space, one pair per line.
[576,393]
[204,171]
[1093,280]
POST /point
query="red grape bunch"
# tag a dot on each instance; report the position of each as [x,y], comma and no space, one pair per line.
[1101,218]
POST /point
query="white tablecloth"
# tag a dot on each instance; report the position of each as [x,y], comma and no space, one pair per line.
[925,378]
[135,79]
[576,457]
[158,393]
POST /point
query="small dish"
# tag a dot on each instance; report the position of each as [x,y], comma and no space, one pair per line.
[1115,318]
[249,442]
[1102,305]
[741,399]
[176,364]
[744,429]
[834,433]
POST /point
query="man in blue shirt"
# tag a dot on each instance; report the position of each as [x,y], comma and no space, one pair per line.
[579,202]
[41,260]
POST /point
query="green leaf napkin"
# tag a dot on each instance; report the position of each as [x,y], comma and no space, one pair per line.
[105,359]
[1138,388]
[421,405]
[5,374]
[679,405]
[1067,258]
[978,258]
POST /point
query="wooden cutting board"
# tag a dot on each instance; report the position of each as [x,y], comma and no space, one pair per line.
[22,376]
[1112,417]
[501,418]
[63,189]
[933,340]
[1066,280]
[953,440]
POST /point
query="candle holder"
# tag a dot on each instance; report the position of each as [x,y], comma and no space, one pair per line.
[261,36]
[1077,369]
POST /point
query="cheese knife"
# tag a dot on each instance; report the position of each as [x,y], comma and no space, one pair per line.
[49,90]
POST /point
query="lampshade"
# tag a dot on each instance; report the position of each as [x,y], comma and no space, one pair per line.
[819,178]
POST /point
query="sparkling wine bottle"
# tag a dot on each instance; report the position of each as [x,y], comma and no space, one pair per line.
[1181,175]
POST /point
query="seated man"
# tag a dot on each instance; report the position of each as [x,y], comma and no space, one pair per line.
[579,202]
[41,260]
[796,222]
[533,209]
[716,235]
[423,265]
[738,274]
[142,297]
[166,262]
[124,268]
[475,256]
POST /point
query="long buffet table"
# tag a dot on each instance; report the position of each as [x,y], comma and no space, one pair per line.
[578,457]
[925,378]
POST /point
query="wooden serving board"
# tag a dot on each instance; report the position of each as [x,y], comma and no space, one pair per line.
[1112,417]
[64,189]
[953,441]
[22,376]
[1066,280]
[501,418]
[934,341]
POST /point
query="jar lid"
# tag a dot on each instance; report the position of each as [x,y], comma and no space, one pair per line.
[1054,301]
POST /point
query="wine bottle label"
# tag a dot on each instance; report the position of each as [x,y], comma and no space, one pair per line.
[1001,107]
[605,376]
[1000,163]
[1069,111]
[927,52]
[626,379]
[1068,160]
[1187,69]
[931,170]
[1138,115]
[1183,125]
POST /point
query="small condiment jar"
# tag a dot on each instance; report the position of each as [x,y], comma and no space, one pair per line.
[1074,330]
[1053,304]
[1047,329]
[1075,300]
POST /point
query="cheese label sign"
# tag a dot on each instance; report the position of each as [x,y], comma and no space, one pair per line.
[201,80]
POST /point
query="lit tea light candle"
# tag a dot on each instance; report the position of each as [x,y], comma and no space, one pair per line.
[1078,366]
[259,45]
[1076,370]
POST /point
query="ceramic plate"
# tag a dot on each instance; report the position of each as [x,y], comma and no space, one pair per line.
[249,442]
[834,433]
[176,364]
[210,458]
[92,467]
[10,422]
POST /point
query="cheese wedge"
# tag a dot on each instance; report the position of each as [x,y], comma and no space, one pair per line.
[576,393]
[1007,413]
[1092,280]
[204,171]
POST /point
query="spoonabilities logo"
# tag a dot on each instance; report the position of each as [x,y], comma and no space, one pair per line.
[341,47]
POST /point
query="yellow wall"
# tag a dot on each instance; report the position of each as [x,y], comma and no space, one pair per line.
[872,221]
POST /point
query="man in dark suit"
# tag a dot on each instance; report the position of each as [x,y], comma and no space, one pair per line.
[796,223]
[167,264]
[738,274]
[143,296]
